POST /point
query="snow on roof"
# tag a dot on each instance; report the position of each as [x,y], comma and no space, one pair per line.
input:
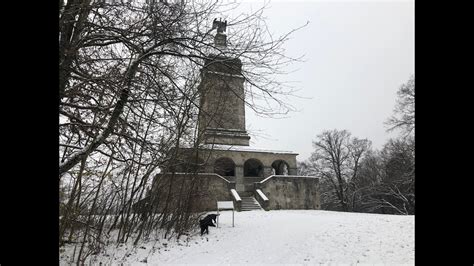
[243,148]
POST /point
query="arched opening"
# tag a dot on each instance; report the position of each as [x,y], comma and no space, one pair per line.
[280,167]
[224,167]
[253,167]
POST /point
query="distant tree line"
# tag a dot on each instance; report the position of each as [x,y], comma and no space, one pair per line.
[356,178]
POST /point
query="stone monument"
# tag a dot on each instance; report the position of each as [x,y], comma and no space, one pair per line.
[225,160]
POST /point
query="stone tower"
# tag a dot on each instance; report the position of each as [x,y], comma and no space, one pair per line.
[222,105]
[227,168]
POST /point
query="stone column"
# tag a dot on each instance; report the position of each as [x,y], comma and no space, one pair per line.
[292,171]
[267,171]
[239,178]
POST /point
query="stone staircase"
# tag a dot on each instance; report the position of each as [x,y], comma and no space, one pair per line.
[249,203]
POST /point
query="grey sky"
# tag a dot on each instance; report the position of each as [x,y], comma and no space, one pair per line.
[357,54]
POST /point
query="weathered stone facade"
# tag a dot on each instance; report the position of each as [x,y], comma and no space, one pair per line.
[202,191]
[290,192]
[222,107]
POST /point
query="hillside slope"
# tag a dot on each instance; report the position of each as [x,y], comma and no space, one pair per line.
[287,237]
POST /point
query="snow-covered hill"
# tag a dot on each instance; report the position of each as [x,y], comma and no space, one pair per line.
[285,237]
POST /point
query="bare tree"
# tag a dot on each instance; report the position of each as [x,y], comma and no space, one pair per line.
[398,156]
[385,182]
[353,177]
[397,191]
[107,51]
[128,98]
[336,160]
[404,112]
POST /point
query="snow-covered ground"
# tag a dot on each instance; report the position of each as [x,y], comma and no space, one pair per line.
[283,237]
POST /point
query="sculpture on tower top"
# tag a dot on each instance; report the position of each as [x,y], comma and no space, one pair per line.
[219,25]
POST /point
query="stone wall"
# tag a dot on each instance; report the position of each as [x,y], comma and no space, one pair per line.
[202,191]
[291,192]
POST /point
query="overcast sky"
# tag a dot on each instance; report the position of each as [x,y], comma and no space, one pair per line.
[357,54]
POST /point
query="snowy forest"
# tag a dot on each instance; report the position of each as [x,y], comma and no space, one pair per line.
[128,78]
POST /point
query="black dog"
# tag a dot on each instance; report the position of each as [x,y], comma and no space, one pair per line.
[206,222]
